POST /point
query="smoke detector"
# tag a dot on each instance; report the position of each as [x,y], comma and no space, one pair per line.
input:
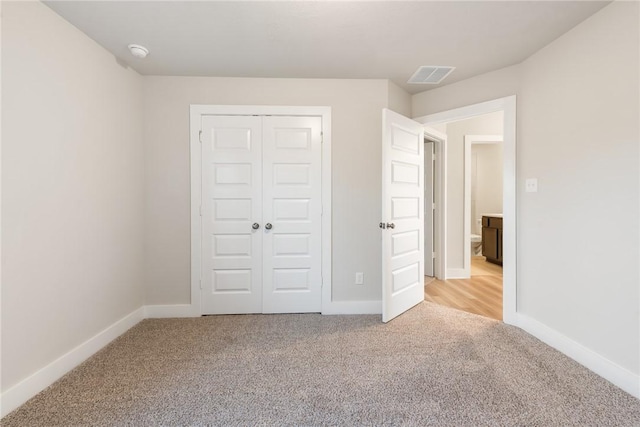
[138,51]
[430,74]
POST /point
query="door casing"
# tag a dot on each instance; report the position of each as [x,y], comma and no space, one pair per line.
[439,140]
[429,207]
[196,112]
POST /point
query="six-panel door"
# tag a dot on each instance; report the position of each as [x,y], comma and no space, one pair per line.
[231,204]
[292,195]
[261,224]
[402,214]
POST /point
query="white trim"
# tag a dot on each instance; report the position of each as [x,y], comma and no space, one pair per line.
[508,105]
[457,273]
[196,111]
[44,377]
[327,213]
[469,140]
[440,198]
[353,307]
[195,123]
[168,311]
[611,371]
[509,221]
[464,112]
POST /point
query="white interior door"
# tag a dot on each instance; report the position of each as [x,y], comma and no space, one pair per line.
[429,207]
[402,214]
[231,205]
[292,200]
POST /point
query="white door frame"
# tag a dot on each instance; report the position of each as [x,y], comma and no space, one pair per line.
[440,199]
[469,141]
[508,106]
[196,111]
[429,208]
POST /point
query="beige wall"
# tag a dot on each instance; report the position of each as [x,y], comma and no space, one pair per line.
[487,173]
[356,163]
[485,87]
[578,246]
[487,124]
[72,189]
[399,100]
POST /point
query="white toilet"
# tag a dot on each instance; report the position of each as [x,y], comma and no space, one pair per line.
[476,245]
[476,240]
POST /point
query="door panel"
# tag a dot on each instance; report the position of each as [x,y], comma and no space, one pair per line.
[403,214]
[292,205]
[231,203]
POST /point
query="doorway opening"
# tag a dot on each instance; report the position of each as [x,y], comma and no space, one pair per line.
[467,282]
[483,182]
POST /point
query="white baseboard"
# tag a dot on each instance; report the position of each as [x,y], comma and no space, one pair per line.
[175,310]
[457,273]
[353,307]
[43,378]
[335,307]
[614,373]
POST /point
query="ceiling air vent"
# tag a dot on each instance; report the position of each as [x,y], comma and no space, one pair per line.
[430,74]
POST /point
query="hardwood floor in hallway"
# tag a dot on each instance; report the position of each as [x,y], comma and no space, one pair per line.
[481,294]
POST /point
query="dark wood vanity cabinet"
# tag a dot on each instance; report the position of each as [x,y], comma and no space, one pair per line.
[492,239]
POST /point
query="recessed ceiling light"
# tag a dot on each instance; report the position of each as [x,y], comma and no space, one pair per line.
[138,51]
[430,74]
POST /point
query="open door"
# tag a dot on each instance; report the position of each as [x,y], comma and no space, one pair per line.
[402,214]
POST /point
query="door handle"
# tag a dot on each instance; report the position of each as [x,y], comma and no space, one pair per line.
[268,226]
[255,226]
[391,225]
[382,225]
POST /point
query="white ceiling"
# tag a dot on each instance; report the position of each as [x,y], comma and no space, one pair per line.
[321,39]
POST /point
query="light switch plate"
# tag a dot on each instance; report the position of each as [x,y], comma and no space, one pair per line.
[531,185]
[359,278]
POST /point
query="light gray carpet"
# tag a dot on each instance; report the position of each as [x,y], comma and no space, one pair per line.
[431,366]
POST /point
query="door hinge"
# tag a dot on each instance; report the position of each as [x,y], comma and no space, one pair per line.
[321,137]
[200,283]
[200,210]
[433,206]
[433,255]
[200,136]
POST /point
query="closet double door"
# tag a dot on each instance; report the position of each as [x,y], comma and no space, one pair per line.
[261,214]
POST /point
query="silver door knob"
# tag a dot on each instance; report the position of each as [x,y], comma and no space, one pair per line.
[268,226]
[255,226]
[391,225]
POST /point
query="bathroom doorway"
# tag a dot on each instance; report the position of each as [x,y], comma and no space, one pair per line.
[483,183]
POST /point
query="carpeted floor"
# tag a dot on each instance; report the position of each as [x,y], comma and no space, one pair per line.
[431,366]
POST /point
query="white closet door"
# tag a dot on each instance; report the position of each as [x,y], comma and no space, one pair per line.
[292,209]
[231,204]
